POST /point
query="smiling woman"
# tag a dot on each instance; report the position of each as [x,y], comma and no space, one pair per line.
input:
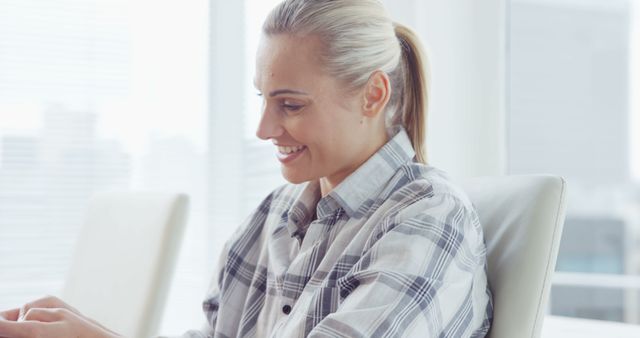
[366,238]
[310,110]
[344,101]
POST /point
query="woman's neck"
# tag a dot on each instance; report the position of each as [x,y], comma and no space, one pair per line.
[328,183]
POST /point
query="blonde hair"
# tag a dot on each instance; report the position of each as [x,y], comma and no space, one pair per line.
[360,38]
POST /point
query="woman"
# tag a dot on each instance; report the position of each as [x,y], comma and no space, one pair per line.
[367,240]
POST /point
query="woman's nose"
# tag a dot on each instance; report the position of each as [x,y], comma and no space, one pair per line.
[270,125]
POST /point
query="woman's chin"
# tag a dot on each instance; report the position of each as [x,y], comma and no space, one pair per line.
[294,176]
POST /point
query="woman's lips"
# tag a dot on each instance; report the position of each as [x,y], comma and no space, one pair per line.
[288,157]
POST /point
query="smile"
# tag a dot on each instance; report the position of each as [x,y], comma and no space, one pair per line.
[288,150]
[287,154]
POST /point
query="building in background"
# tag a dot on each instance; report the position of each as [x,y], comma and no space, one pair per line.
[99,95]
[569,115]
[593,245]
[46,180]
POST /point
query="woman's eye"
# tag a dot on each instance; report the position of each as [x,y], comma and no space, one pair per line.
[292,108]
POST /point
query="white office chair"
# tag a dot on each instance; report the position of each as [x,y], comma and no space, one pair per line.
[124,259]
[522,218]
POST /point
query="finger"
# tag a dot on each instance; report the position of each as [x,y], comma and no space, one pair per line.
[17,329]
[11,315]
[44,315]
[44,302]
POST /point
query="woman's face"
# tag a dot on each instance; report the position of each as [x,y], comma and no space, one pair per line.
[314,123]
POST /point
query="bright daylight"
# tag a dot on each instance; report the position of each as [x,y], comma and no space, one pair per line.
[320,168]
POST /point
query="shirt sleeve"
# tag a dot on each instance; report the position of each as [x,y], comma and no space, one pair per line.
[423,277]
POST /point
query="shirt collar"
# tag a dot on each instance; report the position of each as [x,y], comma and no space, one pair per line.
[366,182]
[302,211]
[363,185]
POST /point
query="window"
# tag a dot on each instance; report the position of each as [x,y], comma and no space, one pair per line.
[98,95]
[573,111]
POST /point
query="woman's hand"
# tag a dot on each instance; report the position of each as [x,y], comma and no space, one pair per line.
[48,302]
[50,317]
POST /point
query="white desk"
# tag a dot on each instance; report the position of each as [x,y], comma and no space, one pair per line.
[564,327]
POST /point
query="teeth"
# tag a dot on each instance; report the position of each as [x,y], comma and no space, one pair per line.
[288,150]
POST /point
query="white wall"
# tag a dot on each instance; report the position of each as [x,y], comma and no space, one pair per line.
[465,42]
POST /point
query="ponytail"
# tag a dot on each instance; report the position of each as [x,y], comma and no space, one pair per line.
[415,86]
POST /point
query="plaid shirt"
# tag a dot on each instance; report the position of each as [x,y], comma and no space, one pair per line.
[395,250]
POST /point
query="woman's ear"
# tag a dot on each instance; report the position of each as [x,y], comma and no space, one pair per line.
[377,92]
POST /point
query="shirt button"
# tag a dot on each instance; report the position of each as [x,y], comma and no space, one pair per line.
[344,293]
[286,309]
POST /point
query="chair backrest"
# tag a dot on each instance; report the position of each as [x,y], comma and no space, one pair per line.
[124,259]
[522,217]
